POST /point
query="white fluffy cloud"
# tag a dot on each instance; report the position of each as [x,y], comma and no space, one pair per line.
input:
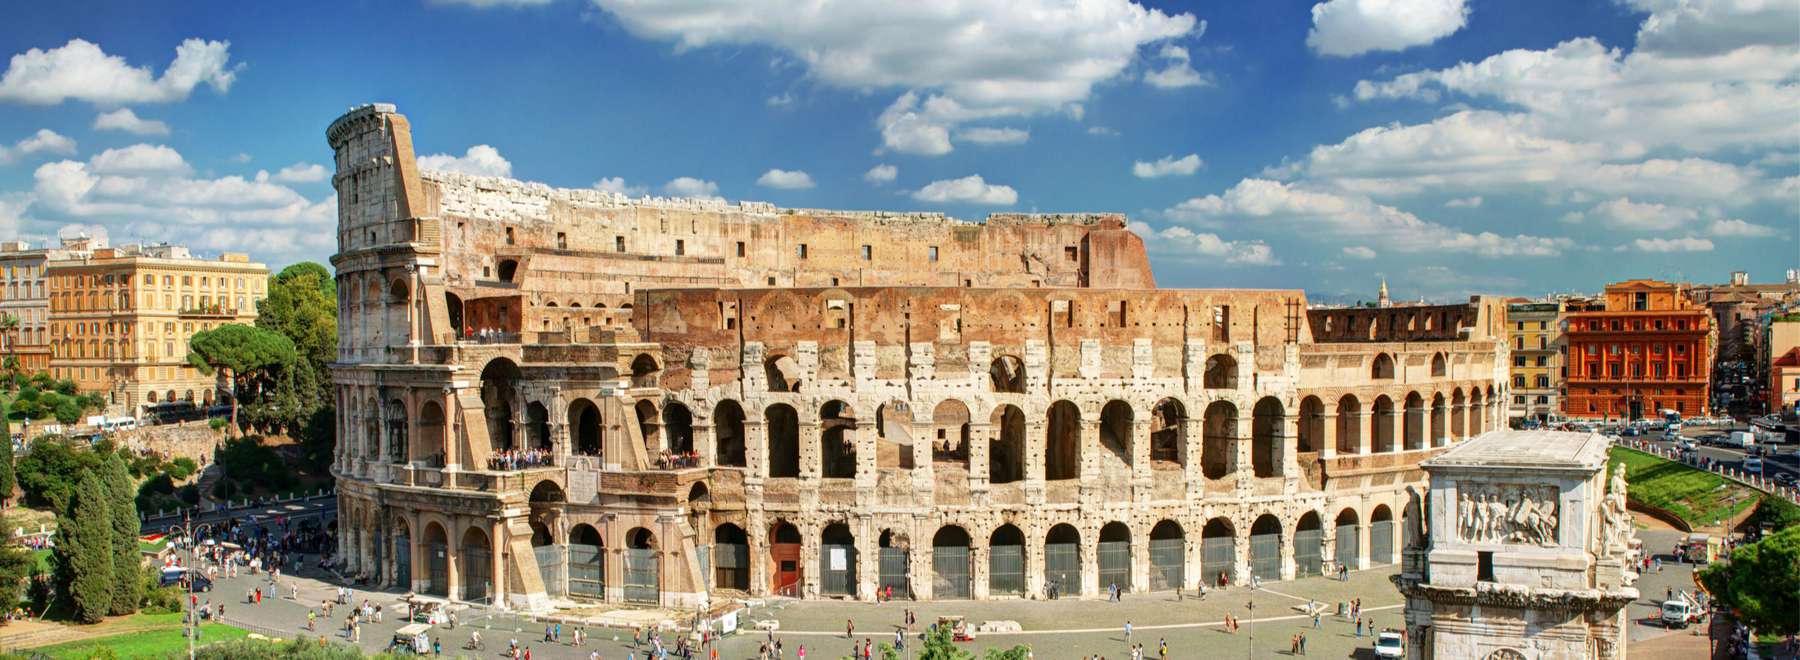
[302,173]
[79,70]
[1177,70]
[45,141]
[1343,28]
[1686,244]
[785,179]
[479,160]
[1734,228]
[1166,166]
[616,184]
[139,159]
[1359,252]
[1285,207]
[958,60]
[883,173]
[125,120]
[1183,244]
[687,186]
[1464,203]
[990,135]
[1624,214]
[970,189]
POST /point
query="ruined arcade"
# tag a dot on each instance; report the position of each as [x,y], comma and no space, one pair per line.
[551,395]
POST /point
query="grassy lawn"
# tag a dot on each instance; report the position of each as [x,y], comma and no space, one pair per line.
[1696,496]
[140,636]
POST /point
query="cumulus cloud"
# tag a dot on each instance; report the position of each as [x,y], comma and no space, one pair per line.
[883,173]
[617,185]
[1734,228]
[1686,244]
[79,70]
[302,173]
[1031,56]
[1464,203]
[1359,252]
[1166,166]
[1624,214]
[779,100]
[45,141]
[988,135]
[479,160]
[1177,70]
[1343,28]
[1186,245]
[139,159]
[687,186]
[970,189]
[785,179]
[125,120]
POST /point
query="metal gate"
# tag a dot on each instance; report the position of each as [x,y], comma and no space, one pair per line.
[641,576]
[587,575]
[1218,556]
[950,572]
[550,565]
[1347,545]
[403,562]
[1006,570]
[1062,567]
[1115,565]
[437,569]
[1381,542]
[1167,563]
[1309,548]
[706,576]
[892,573]
[477,564]
[731,566]
[1265,556]
[837,569]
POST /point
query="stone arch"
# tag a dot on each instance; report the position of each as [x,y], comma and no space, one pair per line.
[1006,561]
[1006,445]
[437,560]
[1114,555]
[1382,425]
[728,433]
[1439,365]
[784,553]
[678,427]
[950,563]
[1218,551]
[430,446]
[1476,411]
[453,306]
[474,558]
[1062,558]
[507,270]
[837,560]
[1348,550]
[1006,374]
[782,373]
[1382,368]
[1349,425]
[547,492]
[837,443]
[1268,418]
[1381,535]
[1414,435]
[1458,414]
[783,427]
[1309,545]
[1062,441]
[1116,422]
[500,379]
[731,557]
[1265,547]
[894,436]
[584,427]
[1221,373]
[645,371]
[951,429]
[587,562]
[1218,453]
[649,421]
[537,425]
[1437,432]
[1312,426]
[1168,555]
[1168,444]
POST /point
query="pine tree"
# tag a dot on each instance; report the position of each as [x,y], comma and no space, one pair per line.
[83,557]
[8,479]
[122,505]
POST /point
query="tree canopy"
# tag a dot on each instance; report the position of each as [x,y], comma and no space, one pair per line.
[302,305]
[1761,583]
[84,551]
[50,469]
[247,355]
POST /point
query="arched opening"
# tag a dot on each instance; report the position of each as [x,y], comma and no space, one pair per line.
[1167,438]
[587,562]
[1412,522]
[1265,437]
[1439,366]
[1006,445]
[728,430]
[678,427]
[1383,425]
[649,425]
[1115,557]
[1414,437]
[1115,435]
[1476,412]
[1218,552]
[1006,562]
[1062,442]
[1309,546]
[437,561]
[894,436]
[1383,368]
[950,444]
[1265,548]
[784,552]
[731,558]
[549,557]
[643,570]
[783,427]
[1062,560]
[1349,425]
[1007,374]
[837,443]
[1458,414]
[837,561]
[1218,453]
[1437,420]
[584,427]
[950,563]
[507,269]
[499,389]
[1168,556]
[537,426]
[1221,373]
[782,373]
[476,561]
[402,540]
[644,371]
[1381,535]
[453,306]
[1312,425]
[1349,546]
[546,492]
[430,447]
[895,555]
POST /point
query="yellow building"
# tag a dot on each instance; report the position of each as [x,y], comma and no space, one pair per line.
[1534,330]
[120,318]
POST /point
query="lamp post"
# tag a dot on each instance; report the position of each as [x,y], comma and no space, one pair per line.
[188,540]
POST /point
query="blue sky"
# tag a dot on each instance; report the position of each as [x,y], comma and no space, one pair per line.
[1449,146]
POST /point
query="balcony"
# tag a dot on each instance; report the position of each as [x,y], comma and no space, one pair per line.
[208,312]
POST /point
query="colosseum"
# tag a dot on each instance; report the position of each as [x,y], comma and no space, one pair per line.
[550,396]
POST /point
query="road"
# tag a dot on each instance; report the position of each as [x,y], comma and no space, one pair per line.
[323,508]
[1779,459]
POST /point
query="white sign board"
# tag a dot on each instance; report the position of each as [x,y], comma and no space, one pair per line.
[839,561]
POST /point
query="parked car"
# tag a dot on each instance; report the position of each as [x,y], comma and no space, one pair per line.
[1389,644]
[1753,465]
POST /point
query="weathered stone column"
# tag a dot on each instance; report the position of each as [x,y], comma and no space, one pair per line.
[1034,460]
[757,536]
[1240,546]
[1287,551]
[1090,561]
[809,560]
[868,557]
[1288,463]
[1328,437]
[497,556]
[421,561]
[1365,437]
[811,459]
[1140,561]
[1364,532]
[1143,485]
[1192,468]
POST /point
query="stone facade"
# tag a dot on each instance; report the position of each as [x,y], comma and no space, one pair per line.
[737,398]
[1526,554]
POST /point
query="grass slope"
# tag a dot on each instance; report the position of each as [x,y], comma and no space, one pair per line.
[1701,498]
[139,636]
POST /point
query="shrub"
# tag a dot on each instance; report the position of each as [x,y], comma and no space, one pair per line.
[189,495]
[217,423]
[180,468]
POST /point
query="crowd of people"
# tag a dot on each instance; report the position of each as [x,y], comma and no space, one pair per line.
[678,460]
[519,459]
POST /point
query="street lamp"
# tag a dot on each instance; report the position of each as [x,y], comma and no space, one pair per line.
[188,530]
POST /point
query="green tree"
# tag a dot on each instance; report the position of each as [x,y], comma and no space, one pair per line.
[302,306]
[244,353]
[1761,583]
[122,505]
[15,567]
[84,554]
[8,479]
[48,472]
[938,645]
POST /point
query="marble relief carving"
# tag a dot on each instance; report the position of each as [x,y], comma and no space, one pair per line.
[1507,513]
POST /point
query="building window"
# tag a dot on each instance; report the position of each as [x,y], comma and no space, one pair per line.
[800,250]
[618,243]
[680,247]
[868,252]
[1072,253]
[1519,399]
[509,235]
[1543,361]
[931,253]
[740,248]
[562,240]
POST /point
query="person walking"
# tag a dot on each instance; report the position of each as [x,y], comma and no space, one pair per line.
[1127,632]
[1302,643]
[1359,627]
[1315,619]
[1294,644]
[849,629]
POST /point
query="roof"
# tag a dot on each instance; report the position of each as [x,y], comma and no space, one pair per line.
[1788,359]
[1534,449]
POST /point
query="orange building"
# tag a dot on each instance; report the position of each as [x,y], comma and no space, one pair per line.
[1649,350]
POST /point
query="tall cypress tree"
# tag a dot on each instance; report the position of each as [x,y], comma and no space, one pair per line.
[84,554]
[127,585]
[8,478]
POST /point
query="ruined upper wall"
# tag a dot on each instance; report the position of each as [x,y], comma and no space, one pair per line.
[1483,317]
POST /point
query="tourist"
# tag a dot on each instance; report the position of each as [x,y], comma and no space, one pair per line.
[849,629]
[1127,631]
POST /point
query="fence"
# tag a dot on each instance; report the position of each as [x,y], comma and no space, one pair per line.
[176,514]
[1759,482]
